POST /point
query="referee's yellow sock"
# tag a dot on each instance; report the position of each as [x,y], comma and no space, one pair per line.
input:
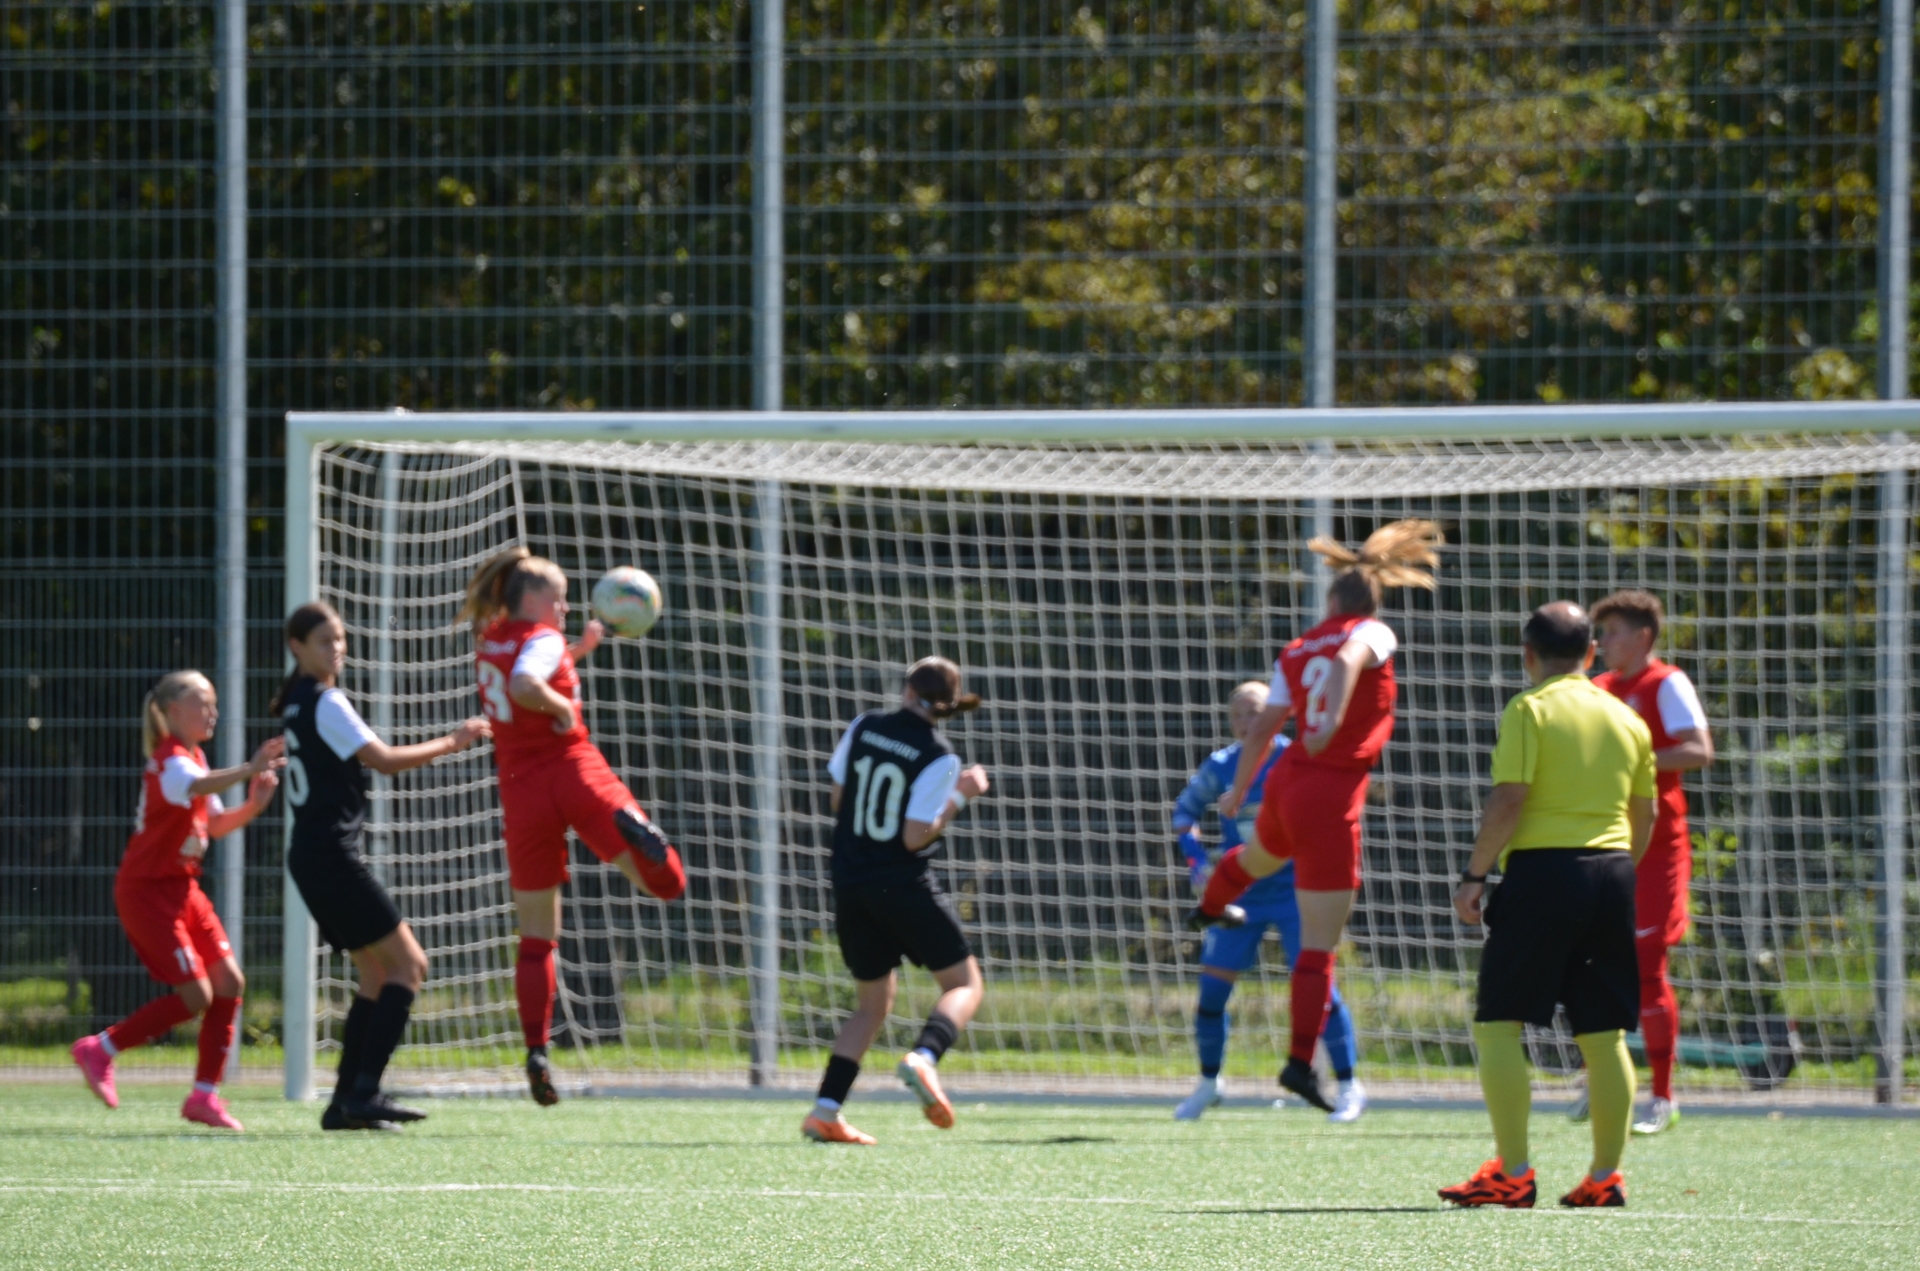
[1609,1094]
[1508,1088]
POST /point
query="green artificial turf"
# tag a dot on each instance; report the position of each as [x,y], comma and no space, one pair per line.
[703,1183]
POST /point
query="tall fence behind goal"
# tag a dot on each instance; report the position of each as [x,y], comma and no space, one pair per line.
[1106,584]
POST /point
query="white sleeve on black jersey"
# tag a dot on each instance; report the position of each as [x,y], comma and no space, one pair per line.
[932,788]
[837,766]
[340,726]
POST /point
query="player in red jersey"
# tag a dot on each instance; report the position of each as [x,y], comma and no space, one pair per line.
[1338,680]
[552,777]
[168,919]
[1627,626]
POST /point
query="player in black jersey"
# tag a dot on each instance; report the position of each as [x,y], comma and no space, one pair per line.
[329,749]
[897,786]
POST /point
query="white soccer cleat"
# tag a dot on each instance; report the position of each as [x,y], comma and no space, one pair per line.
[1579,1113]
[1664,1114]
[1205,1095]
[1349,1103]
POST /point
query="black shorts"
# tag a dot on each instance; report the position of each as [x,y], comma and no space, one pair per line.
[881,923]
[1560,931]
[348,903]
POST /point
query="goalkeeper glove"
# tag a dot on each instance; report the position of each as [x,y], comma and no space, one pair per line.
[1196,853]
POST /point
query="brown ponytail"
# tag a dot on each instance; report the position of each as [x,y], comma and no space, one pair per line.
[936,682]
[171,687]
[300,625]
[498,586]
[1402,554]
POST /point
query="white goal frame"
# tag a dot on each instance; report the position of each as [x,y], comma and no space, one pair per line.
[308,431]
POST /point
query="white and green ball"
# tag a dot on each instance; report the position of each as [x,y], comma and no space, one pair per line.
[628,601]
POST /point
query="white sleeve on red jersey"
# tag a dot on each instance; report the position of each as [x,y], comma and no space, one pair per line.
[837,766]
[340,726]
[1680,705]
[1379,639]
[214,806]
[1278,694]
[176,780]
[933,788]
[540,656]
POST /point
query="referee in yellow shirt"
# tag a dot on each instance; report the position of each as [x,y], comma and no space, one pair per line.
[1571,812]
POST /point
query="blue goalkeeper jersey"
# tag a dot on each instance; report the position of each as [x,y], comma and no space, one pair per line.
[1213,779]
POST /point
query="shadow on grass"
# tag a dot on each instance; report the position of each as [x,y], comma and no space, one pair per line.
[1311,1210]
[1048,1142]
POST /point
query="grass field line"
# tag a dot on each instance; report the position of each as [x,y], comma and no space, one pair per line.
[1250,1207]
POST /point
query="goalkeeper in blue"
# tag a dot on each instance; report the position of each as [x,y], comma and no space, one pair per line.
[1227,952]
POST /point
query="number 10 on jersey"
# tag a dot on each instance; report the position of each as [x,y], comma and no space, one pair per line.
[877,794]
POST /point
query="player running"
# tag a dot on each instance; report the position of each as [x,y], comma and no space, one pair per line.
[329,749]
[907,788]
[552,776]
[1227,952]
[168,919]
[1338,678]
[1628,625]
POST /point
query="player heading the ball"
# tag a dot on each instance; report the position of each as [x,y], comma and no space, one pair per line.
[1337,680]
[552,777]
[168,919]
[329,749]
[897,786]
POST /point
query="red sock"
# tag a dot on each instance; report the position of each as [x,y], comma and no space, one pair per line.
[1660,1024]
[1229,883]
[217,1028]
[147,1023]
[533,985]
[1312,994]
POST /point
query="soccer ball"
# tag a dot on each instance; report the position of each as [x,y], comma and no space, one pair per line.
[628,601]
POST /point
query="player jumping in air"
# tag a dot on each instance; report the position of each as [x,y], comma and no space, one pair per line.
[1227,952]
[1628,625]
[329,749]
[168,919]
[552,776]
[897,786]
[1338,679]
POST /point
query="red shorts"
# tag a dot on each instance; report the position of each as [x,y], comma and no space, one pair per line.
[1311,813]
[172,926]
[1660,885]
[540,801]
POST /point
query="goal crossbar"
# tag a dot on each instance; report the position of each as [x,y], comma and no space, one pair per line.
[309,432]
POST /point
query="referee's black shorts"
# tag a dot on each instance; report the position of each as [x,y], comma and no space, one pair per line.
[879,923]
[347,902]
[1560,931]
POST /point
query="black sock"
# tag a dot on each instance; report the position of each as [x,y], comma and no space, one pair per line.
[389,1021]
[939,1033]
[1343,1076]
[838,1083]
[353,1043]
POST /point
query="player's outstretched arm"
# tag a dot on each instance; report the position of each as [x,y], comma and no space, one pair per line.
[389,760]
[259,795]
[589,640]
[919,835]
[271,757]
[1253,753]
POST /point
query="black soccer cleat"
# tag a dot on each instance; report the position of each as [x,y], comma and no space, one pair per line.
[642,835]
[335,1118]
[540,1077]
[378,1107]
[1298,1077]
[1229,917]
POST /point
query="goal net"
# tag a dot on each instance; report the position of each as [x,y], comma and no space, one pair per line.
[1105,598]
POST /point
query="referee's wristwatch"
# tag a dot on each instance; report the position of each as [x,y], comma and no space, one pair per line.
[1468,876]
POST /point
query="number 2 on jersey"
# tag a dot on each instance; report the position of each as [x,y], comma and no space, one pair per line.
[1313,678]
[873,786]
[493,693]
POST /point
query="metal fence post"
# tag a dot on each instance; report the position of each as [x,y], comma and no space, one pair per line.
[764,976]
[230,292]
[1323,149]
[298,937]
[769,201]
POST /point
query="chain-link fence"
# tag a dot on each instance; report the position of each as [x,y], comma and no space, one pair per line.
[547,205]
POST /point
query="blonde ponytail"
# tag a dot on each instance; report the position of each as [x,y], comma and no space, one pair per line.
[497,586]
[172,686]
[1401,554]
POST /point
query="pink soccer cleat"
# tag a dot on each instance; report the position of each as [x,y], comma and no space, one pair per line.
[204,1107]
[96,1065]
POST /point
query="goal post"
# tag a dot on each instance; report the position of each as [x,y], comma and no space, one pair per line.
[1111,574]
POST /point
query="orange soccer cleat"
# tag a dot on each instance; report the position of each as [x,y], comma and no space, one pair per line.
[1491,1186]
[923,1078]
[1608,1193]
[821,1130]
